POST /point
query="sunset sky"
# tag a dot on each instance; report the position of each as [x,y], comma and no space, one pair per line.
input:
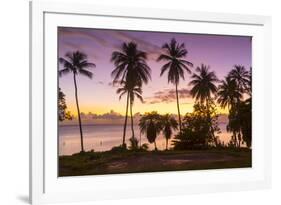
[98,95]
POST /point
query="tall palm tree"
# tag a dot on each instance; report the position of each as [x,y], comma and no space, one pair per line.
[76,63]
[133,92]
[169,124]
[241,76]
[130,67]
[150,124]
[176,66]
[203,84]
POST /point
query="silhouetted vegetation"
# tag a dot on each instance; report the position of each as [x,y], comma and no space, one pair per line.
[176,66]
[150,125]
[76,63]
[63,114]
[192,134]
[131,71]
[168,124]
[231,91]
[199,128]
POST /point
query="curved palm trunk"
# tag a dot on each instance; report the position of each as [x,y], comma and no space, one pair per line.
[125,123]
[167,141]
[132,120]
[78,112]
[178,106]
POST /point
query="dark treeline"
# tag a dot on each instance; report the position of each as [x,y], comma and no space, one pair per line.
[196,130]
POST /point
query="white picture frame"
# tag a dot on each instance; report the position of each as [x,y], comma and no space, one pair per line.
[46,187]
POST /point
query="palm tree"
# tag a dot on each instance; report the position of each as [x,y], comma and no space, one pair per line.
[76,63]
[169,124]
[130,67]
[203,84]
[135,91]
[229,93]
[150,124]
[241,76]
[175,66]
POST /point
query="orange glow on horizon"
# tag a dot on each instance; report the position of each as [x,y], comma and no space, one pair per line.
[161,108]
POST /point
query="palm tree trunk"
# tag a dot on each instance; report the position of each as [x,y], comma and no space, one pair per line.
[178,106]
[210,119]
[132,120]
[78,112]
[155,147]
[166,143]
[140,139]
[125,123]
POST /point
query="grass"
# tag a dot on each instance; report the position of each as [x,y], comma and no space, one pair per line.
[98,163]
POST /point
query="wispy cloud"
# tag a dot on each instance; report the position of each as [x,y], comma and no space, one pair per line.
[167,96]
[114,84]
[83,33]
[152,50]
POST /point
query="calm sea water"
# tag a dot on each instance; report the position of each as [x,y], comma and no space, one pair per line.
[104,137]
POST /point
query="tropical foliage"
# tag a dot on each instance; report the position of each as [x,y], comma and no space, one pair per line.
[198,129]
[175,66]
[168,124]
[231,91]
[150,125]
[131,71]
[77,64]
[203,84]
[63,114]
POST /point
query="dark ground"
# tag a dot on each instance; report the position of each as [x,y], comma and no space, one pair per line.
[96,163]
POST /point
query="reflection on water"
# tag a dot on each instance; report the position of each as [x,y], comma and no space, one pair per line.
[104,137]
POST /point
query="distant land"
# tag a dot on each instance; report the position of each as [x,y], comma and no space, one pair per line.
[114,118]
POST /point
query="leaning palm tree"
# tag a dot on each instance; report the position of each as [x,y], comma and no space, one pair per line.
[133,92]
[241,76]
[130,67]
[176,66]
[169,124]
[150,124]
[203,84]
[76,63]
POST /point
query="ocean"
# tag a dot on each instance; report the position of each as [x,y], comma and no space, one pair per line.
[104,137]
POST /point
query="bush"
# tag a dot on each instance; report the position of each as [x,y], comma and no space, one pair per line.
[144,147]
[119,148]
[188,139]
[133,143]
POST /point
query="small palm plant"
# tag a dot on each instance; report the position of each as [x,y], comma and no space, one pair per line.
[150,124]
[169,124]
[76,63]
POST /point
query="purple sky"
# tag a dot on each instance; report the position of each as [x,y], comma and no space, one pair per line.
[99,96]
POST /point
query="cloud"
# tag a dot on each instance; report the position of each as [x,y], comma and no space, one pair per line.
[115,84]
[152,50]
[167,96]
[84,33]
